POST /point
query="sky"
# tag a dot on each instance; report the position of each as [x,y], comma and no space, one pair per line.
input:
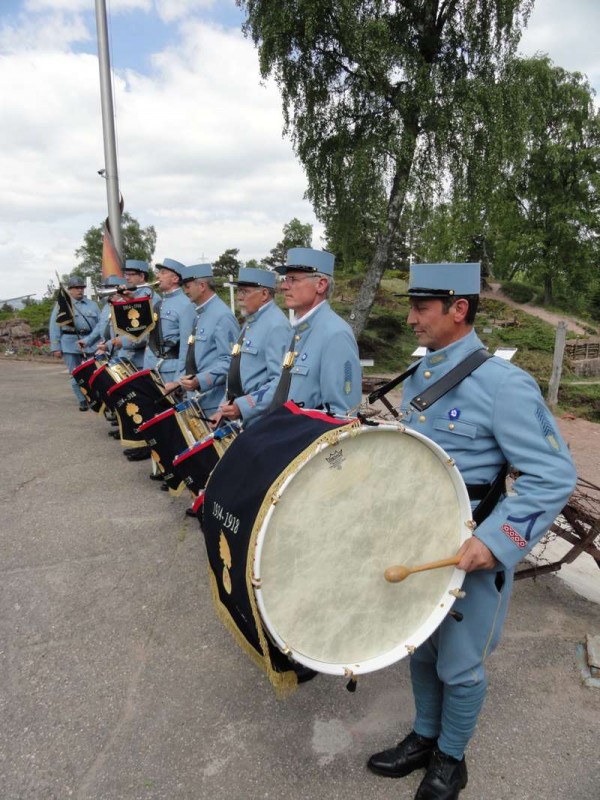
[201,155]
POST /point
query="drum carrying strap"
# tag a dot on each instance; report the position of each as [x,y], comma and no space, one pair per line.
[450,379]
[155,339]
[285,379]
[234,379]
[191,367]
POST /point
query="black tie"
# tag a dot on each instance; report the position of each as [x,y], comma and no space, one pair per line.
[191,367]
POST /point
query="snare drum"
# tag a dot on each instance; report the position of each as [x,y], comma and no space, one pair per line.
[196,463]
[82,375]
[167,434]
[136,399]
[302,516]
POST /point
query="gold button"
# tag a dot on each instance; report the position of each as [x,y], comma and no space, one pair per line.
[422,418]
[297,338]
[427,374]
[451,426]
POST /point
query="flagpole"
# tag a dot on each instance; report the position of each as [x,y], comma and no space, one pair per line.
[108,129]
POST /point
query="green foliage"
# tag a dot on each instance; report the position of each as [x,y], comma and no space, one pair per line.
[138,243]
[519,292]
[295,234]
[37,314]
[379,98]
[227,263]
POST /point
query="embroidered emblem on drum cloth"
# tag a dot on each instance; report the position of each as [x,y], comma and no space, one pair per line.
[547,428]
[512,534]
[133,411]
[454,413]
[335,459]
[225,554]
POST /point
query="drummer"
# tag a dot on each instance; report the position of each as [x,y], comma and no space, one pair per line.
[257,356]
[174,314]
[63,340]
[99,340]
[323,365]
[136,277]
[494,417]
[214,331]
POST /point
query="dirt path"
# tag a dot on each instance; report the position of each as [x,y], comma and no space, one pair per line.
[494,293]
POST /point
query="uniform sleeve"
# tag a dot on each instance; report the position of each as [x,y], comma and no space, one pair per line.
[257,402]
[97,333]
[225,334]
[530,441]
[54,330]
[340,375]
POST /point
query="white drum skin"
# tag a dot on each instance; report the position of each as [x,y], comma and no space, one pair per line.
[381,496]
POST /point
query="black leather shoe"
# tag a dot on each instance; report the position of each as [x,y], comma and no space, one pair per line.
[444,779]
[158,476]
[413,752]
[164,487]
[137,453]
[83,406]
[114,434]
[189,512]
[114,423]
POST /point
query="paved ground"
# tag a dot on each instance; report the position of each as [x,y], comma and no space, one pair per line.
[118,682]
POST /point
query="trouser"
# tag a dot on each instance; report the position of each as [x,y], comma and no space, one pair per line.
[73,360]
[447,670]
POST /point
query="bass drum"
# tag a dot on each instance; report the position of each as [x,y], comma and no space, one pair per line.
[353,501]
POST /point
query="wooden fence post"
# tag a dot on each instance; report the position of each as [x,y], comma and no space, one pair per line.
[559,351]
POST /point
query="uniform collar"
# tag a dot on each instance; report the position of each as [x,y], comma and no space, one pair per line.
[305,319]
[454,352]
[259,312]
[203,305]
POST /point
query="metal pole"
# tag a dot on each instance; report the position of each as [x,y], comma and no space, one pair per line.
[559,351]
[108,129]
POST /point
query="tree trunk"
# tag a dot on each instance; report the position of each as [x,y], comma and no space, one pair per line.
[548,295]
[366,294]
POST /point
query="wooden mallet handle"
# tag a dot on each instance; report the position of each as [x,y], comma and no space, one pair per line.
[400,572]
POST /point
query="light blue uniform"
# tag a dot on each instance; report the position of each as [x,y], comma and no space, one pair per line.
[326,371]
[102,331]
[176,321]
[216,332]
[495,415]
[65,338]
[130,348]
[267,335]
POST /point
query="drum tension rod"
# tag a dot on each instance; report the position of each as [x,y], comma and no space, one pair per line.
[457,615]
[351,685]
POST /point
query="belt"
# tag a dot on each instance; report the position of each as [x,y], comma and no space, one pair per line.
[74,332]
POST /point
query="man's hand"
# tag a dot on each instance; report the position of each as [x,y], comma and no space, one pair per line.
[475,555]
[81,344]
[101,348]
[57,353]
[170,386]
[189,382]
[117,342]
[230,411]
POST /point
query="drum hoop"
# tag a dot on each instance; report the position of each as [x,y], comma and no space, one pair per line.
[258,537]
[156,418]
[327,438]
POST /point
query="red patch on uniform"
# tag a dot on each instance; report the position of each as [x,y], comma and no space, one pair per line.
[512,534]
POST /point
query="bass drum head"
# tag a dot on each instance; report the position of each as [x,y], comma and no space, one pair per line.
[380,497]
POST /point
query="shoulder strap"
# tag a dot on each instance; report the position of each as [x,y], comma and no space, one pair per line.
[234,378]
[378,394]
[450,380]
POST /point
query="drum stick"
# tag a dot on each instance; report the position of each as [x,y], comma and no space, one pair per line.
[400,572]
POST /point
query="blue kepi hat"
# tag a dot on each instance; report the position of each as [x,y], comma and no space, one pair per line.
[202,271]
[253,276]
[444,280]
[308,260]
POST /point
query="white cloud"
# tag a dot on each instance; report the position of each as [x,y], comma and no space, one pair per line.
[201,155]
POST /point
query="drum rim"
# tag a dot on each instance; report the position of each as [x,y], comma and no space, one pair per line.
[442,608]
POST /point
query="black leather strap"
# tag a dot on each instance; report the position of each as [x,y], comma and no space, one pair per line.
[234,379]
[450,380]
[191,367]
[285,379]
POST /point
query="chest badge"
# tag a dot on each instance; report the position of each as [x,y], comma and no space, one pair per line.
[303,357]
[454,413]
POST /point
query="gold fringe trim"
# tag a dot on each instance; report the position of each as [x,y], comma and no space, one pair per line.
[284,683]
